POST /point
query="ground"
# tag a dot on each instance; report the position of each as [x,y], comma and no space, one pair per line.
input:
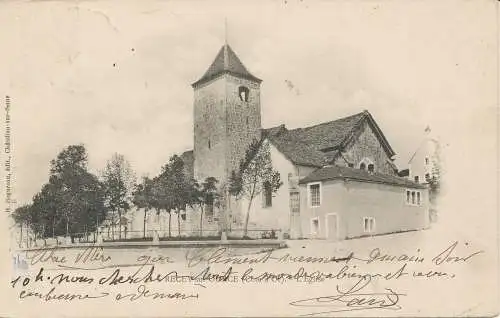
[254,275]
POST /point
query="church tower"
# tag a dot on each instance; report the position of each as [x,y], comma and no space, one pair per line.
[226,116]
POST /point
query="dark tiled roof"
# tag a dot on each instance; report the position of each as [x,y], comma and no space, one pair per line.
[226,61]
[336,172]
[297,151]
[318,145]
[188,159]
[330,134]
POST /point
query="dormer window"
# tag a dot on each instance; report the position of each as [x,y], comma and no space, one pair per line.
[367,163]
[243,92]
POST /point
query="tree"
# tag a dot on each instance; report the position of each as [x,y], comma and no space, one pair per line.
[161,196]
[204,195]
[172,190]
[142,198]
[21,217]
[118,179]
[178,187]
[72,201]
[255,174]
[78,194]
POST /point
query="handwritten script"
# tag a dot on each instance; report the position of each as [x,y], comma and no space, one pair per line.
[349,280]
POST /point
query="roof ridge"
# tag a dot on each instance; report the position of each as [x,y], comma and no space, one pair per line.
[328,122]
[359,175]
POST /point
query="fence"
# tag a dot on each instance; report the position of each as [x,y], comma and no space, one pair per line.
[140,236]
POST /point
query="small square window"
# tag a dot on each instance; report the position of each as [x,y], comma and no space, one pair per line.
[369,224]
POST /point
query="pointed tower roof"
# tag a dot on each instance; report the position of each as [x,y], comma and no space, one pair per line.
[226,61]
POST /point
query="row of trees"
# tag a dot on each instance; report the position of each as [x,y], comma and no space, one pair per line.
[76,201]
[172,192]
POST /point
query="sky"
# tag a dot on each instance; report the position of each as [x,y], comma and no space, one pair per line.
[116,75]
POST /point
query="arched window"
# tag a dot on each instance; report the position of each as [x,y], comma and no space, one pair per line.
[243,92]
[367,163]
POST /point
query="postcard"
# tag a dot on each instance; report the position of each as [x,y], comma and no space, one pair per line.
[288,158]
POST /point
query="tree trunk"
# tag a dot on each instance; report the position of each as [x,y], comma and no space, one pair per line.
[247,217]
[113,225]
[169,224]
[21,240]
[119,224]
[53,227]
[201,221]
[178,223]
[144,225]
[67,226]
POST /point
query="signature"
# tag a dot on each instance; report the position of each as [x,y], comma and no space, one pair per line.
[351,300]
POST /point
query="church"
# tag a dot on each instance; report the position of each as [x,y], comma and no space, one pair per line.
[339,180]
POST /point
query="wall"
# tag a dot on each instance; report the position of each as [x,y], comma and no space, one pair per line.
[189,227]
[353,200]
[331,202]
[210,123]
[221,116]
[366,144]
[240,132]
[278,215]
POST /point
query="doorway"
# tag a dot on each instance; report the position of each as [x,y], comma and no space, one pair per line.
[332,226]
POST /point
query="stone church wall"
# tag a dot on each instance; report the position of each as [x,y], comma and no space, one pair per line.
[243,119]
[210,130]
[367,145]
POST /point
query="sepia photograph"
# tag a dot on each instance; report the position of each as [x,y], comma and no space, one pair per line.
[256,159]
